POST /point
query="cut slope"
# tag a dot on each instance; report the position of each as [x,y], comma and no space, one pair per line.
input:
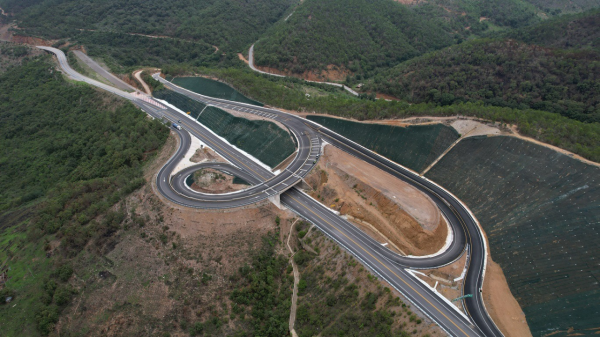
[212,88]
[540,211]
[414,147]
[264,140]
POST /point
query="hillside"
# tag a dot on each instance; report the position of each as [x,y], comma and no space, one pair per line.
[68,155]
[540,210]
[578,31]
[501,73]
[214,22]
[362,37]
[355,35]
[560,6]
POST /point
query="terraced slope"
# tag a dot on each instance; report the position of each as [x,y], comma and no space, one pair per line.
[540,210]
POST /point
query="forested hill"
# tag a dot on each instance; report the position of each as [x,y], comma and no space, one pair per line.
[501,73]
[356,34]
[228,24]
[576,31]
[366,36]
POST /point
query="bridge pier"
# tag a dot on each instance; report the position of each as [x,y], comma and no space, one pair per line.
[302,184]
[276,200]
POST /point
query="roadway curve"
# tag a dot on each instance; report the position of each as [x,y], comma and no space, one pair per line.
[466,231]
[382,261]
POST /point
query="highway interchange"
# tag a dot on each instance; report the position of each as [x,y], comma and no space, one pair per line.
[467,235]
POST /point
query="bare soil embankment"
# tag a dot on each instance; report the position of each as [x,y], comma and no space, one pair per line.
[214,182]
[385,207]
[331,73]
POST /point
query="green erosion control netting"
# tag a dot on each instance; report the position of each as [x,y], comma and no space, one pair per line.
[414,147]
[541,212]
[212,88]
[264,140]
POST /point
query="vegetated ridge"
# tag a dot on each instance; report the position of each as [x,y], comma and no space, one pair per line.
[501,73]
[575,31]
[356,35]
[365,37]
[214,22]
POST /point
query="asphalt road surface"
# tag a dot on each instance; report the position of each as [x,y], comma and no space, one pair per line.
[382,261]
[117,82]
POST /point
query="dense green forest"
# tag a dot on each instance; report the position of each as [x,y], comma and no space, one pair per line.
[364,36]
[560,6]
[501,73]
[575,31]
[358,35]
[68,153]
[229,24]
[473,17]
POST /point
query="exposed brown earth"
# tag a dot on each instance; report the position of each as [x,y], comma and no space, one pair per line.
[332,73]
[5,34]
[407,219]
[206,154]
[214,181]
[35,41]
[445,277]
[501,304]
[242,58]
[386,97]
[137,74]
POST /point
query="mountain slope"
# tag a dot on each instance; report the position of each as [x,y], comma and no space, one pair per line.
[569,31]
[501,73]
[354,34]
[219,23]
[363,37]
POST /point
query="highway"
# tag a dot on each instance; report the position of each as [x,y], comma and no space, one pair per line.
[388,265]
[117,82]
